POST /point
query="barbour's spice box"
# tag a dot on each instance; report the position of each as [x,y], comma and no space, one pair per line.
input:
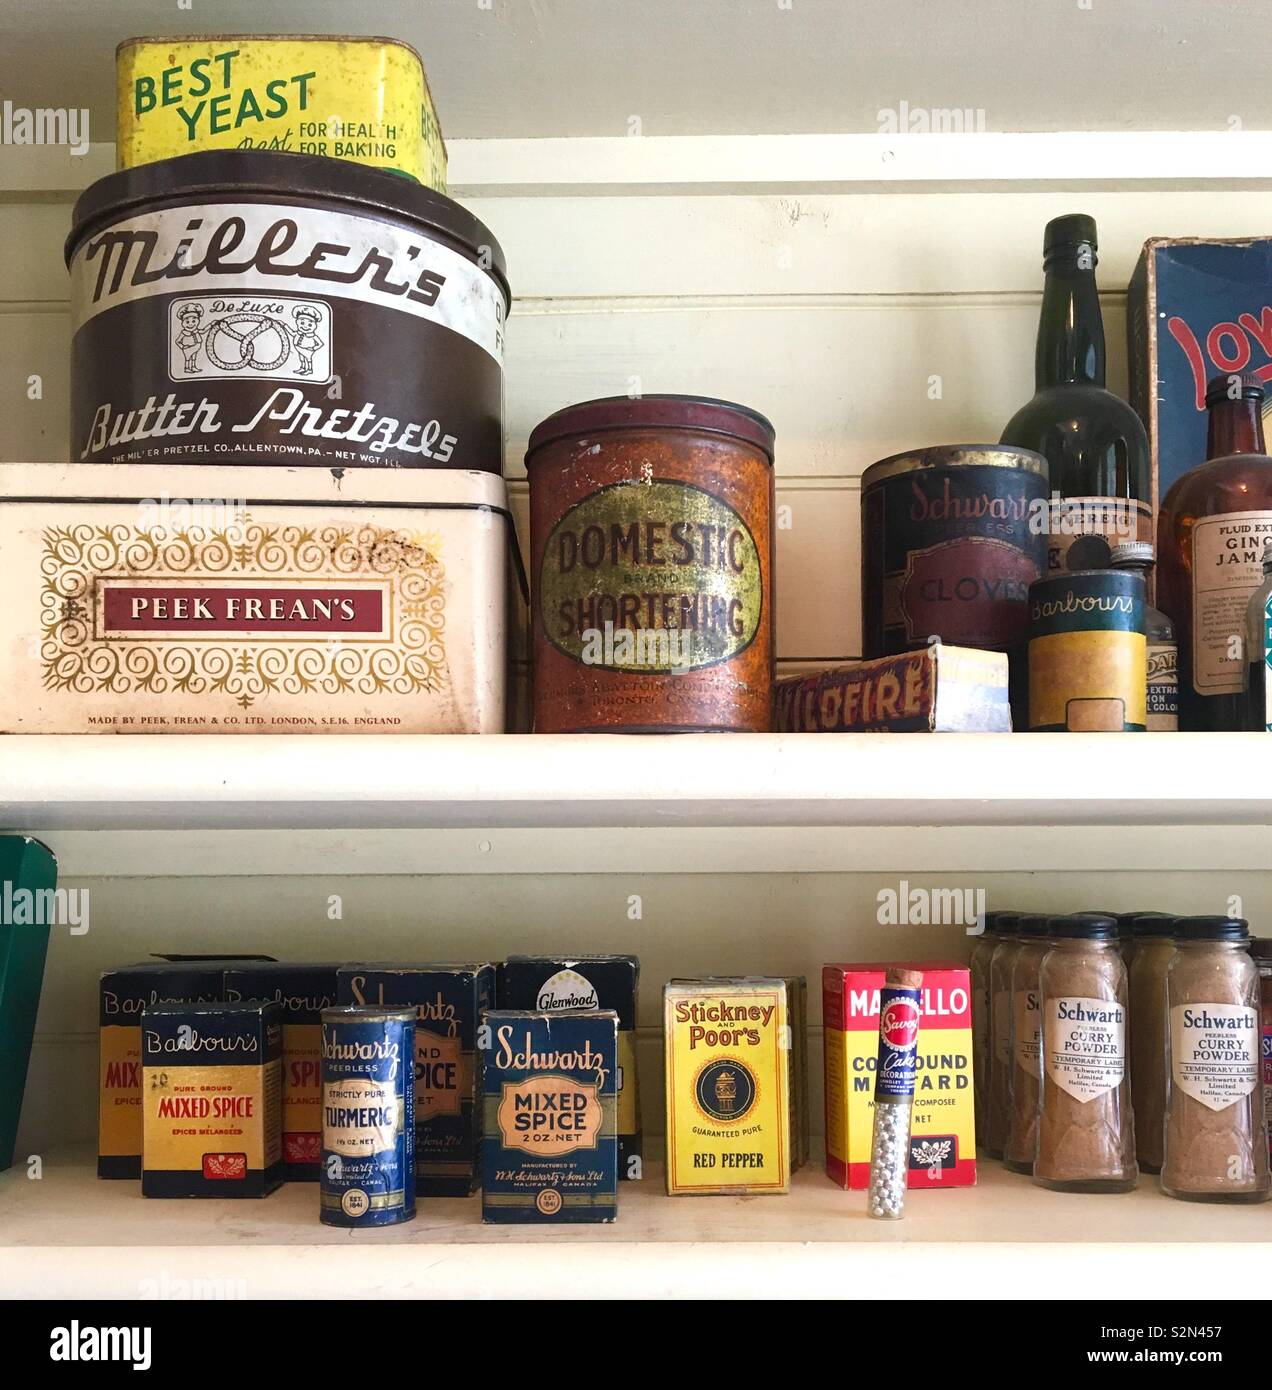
[727,1086]
[358,98]
[301,990]
[199,599]
[651,535]
[943,1127]
[123,995]
[212,1092]
[449,1001]
[557,984]
[550,1121]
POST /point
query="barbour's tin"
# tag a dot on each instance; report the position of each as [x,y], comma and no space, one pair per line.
[211,1088]
[359,98]
[301,990]
[651,532]
[1088,656]
[247,600]
[245,306]
[368,1117]
[951,538]
[449,1001]
[550,1119]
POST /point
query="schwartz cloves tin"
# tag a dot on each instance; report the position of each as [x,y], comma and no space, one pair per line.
[358,98]
[368,1117]
[246,306]
[951,539]
[1088,656]
[651,527]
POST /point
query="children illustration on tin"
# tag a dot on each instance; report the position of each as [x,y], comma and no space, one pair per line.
[190,338]
[307,342]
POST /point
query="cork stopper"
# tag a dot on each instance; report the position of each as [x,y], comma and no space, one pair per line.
[906,979]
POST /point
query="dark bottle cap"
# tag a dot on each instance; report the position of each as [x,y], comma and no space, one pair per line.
[1215,928]
[1000,922]
[1068,236]
[1232,386]
[1033,924]
[1261,947]
[1092,926]
[1150,923]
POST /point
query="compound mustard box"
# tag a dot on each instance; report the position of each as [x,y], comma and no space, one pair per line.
[212,1093]
[558,984]
[728,1047]
[943,1128]
[302,990]
[449,1001]
[550,1117]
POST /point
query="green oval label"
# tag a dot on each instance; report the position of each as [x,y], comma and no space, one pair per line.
[654,577]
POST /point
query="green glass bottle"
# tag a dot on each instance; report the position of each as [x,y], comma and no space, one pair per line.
[1093,441]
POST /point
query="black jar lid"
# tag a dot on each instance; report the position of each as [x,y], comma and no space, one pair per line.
[1001,921]
[1149,923]
[1033,924]
[1261,947]
[699,414]
[1212,928]
[1091,926]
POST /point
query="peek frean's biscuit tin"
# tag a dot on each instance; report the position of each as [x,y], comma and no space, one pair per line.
[358,98]
[254,601]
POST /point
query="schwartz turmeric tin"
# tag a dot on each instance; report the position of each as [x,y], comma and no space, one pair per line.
[951,539]
[244,306]
[368,1117]
[363,99]
[211,1086]
[254,600]
[728,1086]
[651,531]
[1088,656]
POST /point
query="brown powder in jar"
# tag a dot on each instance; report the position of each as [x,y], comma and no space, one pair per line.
[998,1111]
[1086,1134]
[982,1030]
[1150,1038]
[1026,1036]
[1216,1143]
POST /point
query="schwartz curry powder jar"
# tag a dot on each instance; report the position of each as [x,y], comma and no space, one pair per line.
[950,542]
[651,531]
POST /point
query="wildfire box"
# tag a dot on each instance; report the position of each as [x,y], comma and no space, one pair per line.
[211,1100]
[449,1001]
[1196,307]
[943,1133]
[728,1072]
[550,1117]
[556,984]
[302,990]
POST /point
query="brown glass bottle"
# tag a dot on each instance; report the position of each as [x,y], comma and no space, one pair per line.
[1211,531]
[1094,443]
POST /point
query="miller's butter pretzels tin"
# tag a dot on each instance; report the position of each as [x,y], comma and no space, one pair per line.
[550,1120]
[728,1047]
[358,98]
[211,1082]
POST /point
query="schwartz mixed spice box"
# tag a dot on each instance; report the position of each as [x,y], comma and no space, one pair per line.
[449,1002]
[550,1121]
[182,599]
[301,990]
[1195,308]
[943,1131]
[212,1092]
[558,984]
[727,1086]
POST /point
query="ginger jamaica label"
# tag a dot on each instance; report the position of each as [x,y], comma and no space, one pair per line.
[655,577]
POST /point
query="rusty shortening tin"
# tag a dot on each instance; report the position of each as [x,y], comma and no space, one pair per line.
[651,527]
[243,306]
[359,98]
[951,538]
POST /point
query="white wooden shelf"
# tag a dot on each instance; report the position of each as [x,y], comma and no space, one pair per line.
[706,781]
[73,1234]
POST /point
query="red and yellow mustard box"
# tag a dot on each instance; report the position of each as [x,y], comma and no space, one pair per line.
[943,1130]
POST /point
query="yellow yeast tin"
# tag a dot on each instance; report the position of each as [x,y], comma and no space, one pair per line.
[361,99]
[728,1086]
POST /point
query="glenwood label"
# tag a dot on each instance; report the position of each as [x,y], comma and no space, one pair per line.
[550,1145]
[654,577]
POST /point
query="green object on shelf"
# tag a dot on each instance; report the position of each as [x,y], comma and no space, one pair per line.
[26,867]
